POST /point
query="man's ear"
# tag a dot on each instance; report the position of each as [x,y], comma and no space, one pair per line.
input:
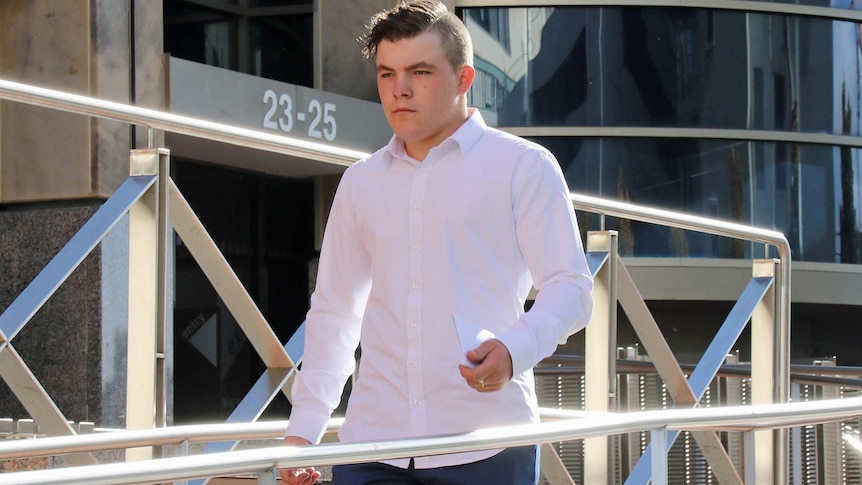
[465,79]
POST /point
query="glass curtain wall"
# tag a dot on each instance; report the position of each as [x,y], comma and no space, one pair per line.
[651,67]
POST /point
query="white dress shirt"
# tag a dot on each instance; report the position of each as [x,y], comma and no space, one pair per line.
[410,246]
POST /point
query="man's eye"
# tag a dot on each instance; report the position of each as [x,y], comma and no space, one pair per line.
[423,73]
[386,75]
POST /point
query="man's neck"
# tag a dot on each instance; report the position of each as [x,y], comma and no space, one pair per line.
[419,150]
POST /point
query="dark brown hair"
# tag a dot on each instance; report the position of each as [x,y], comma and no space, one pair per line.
[409,19]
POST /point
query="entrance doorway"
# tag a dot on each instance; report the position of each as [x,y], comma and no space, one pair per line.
[264,225]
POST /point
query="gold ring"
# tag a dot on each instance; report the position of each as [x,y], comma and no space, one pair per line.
[482,383]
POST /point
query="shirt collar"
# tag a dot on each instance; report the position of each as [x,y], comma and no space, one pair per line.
[465,137]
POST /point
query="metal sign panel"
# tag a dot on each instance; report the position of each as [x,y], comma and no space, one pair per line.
[247,101]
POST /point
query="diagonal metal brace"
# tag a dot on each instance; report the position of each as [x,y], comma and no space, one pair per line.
[36,400]
[700,379]
[16,316]
[262,393]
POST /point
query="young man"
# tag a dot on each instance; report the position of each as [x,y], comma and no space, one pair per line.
[431,248]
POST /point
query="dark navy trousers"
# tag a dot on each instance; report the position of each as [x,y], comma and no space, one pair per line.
[512,466]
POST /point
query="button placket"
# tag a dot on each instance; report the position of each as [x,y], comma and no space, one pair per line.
[414,301]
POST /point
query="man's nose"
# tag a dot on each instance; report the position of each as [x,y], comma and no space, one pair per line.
[402,87]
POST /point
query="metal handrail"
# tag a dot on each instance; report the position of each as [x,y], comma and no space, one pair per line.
[261,460]
[195,433]
[715,227]
[158,120]
[173,123]
[171,435]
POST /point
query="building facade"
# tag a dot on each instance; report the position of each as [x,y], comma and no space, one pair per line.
[744,111]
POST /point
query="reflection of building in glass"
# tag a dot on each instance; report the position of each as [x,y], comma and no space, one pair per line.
[571,67]
[505,41]
[747,116]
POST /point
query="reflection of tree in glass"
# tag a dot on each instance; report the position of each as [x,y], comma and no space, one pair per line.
[795,219]
[737,205]
[848,227]
[624,226]
[678,242]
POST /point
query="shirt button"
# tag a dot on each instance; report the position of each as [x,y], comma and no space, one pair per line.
[417,206]
[414,324]
[416,245]
[417,402]
[414,285]
[414,364]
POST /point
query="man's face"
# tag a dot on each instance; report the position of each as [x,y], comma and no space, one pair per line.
[420,92]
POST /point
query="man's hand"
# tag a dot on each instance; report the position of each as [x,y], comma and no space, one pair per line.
[298,476]
[493,366]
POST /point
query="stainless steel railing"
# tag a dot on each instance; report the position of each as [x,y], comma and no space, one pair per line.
[719,228]
[180,435]
[185,125]
[263,461]
[157,120]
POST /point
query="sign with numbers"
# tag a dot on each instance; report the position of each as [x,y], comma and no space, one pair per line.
[233,98]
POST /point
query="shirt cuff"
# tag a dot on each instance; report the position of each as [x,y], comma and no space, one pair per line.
[307,424]
[534,337]
[522,347]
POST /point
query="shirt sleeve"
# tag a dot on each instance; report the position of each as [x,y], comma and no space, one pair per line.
[548,235]
[333,321]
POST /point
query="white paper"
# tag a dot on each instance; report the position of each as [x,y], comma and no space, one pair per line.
[470,336]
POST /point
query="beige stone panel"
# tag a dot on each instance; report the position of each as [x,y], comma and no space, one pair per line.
[44,155]
[339,65]
[109,72]
[150,64]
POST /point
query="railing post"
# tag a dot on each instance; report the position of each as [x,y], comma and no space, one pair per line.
[765,370]
[267,477]
[145,372]
[600,357]
[750,460]
[658,458]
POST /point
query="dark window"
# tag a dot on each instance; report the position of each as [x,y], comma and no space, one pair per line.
[266,38]
[200,35]
[281,49]
[780,104]
[277,3]
[711,178]
[657,66]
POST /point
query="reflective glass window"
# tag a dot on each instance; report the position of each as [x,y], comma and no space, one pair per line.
[281,49]
[665,67]
[250,36]
[810,193]
[846,4]
[277,3]
[200,35]
[265,3]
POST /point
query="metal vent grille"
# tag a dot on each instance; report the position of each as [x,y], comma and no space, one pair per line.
[564,391]
[803,444]
[686,464]
[825,454]
[850,447]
